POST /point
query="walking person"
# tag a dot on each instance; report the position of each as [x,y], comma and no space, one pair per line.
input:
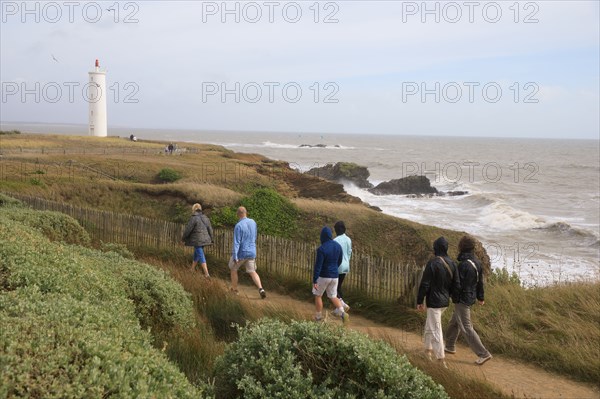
[244,251]
[471,289]
[346,244]
[439,281]
[198,233]
[325,275]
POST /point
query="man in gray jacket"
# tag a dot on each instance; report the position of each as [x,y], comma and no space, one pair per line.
[197,234]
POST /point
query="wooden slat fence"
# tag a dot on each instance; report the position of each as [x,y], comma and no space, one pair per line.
[378,278]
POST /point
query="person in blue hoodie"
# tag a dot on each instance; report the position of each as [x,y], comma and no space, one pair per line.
[325,275]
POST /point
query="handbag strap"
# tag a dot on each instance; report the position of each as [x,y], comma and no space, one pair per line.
[474,267]
[447,267]
[204,224]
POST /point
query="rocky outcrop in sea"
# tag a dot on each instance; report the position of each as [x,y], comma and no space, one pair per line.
[343,171]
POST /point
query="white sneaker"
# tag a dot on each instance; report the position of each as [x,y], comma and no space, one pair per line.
[345,317]
[482,360]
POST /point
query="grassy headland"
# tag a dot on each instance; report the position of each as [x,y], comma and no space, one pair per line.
[119,175]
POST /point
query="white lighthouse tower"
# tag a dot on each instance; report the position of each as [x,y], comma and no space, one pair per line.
[97,99]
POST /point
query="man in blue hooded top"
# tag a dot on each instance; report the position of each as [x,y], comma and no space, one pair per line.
[325,274]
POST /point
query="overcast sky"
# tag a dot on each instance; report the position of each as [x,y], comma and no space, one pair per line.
[505,68]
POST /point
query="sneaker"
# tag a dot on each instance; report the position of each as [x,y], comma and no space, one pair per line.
[318,319]
[452,351]
[346,307]
[442,363]
[482,360]
[234,292]
[262,293]
[345,318]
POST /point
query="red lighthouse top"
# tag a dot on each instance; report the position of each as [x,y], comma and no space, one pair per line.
[97,63]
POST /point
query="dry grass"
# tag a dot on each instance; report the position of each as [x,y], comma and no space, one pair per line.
[376,233]
[556,327]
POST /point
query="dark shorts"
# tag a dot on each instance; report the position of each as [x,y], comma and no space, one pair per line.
[199,255]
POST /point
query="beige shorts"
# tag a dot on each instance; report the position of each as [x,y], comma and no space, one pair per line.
[249,263]
[328,285]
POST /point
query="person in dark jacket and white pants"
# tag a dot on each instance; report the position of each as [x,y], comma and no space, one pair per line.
[439,281]
[198,233]
[471,282]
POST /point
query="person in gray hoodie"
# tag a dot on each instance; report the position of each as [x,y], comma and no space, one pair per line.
[198,233]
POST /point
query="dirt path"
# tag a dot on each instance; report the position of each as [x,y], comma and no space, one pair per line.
[509,376]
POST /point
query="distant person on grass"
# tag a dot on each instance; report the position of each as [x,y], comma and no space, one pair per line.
[244,251]
[325,275]
[471,288]
[346,244]
[198,233]
[439,282]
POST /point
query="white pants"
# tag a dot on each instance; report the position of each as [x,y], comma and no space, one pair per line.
[433,336]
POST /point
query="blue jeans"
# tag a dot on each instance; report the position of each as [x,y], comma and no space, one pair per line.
[199,255]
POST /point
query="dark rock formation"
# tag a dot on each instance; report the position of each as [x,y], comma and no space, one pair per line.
[417,185]
[454,193]
[319,146]
[343,171]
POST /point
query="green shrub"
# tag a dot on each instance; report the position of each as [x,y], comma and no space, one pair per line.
[274,214]
[168,175]
[7,132]
[5,200]
[120,249]
[77,322]
[55,346]
[310,360]
[37,182]
[54,225]
[501,276]
[224,217]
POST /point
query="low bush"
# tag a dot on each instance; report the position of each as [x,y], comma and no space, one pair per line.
[77,322]
[6,201]
[120,249]
[55,346]
[54,225]
[224,217]
[168,175]
[310,360]
[274,214]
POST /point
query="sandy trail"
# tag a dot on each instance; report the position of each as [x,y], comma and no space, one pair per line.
[509,376]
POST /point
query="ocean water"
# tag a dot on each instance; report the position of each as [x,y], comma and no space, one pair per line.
[535,204]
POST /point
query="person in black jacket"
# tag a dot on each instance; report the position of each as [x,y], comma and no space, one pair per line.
[198,233]
[439,282]
[471,281]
